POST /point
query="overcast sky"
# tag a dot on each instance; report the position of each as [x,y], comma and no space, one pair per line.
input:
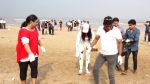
[125,9]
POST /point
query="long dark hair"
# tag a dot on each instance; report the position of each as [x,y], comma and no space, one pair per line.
[89,34]
[28,19]
[24,24]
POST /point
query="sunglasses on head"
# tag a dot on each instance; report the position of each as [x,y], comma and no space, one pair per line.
[108,19]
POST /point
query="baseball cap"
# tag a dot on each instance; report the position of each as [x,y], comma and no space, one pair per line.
[85,28]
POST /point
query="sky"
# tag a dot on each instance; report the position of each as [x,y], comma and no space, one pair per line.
[124,9]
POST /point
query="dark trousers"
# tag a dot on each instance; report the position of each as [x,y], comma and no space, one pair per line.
[100,60]
[0,25]
[51,31]
[134,53]
[146,35]
[149,37]
[24,67]
[4,26]
[42,31]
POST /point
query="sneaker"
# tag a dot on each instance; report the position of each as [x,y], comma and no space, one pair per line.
[80,72]
[124,72]
[88,72]
[134,71]
[118,67]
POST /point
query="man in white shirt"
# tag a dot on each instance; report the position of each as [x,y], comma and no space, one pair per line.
[122,30]
[4,24]
[111,45]
[116,24]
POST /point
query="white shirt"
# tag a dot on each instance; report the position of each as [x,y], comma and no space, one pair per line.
[69,23]
[80,42]
[108,40]
[1,21]
[4,21]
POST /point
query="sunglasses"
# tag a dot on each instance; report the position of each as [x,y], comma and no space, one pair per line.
[108,19]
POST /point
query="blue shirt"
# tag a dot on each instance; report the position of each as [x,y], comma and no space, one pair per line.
[135,36]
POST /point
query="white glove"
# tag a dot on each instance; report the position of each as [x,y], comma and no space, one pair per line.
[83,47]
[128,40]
[89,49]
[120,59]
[43,49]
[77,54]
[31,57]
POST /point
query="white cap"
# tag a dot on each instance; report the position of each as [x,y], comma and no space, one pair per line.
[85,28]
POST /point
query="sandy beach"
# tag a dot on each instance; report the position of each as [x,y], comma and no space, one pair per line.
[59,64]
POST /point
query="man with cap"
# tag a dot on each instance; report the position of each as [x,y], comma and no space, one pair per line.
[84,36]
[111,44]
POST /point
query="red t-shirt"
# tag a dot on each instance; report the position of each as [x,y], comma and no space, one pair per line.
[33,43]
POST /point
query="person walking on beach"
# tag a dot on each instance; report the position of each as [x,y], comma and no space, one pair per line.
[38,26]
[27,48]
[132,36]
[116,24]
[111,45]
[51,28]
[1,23]
[147,31]
[69,25]
[84,37]
[43,27]
[4,22]
[149,34]
[55,24]
[60,25]
[46,26]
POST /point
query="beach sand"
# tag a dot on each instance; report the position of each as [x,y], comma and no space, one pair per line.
[59,64]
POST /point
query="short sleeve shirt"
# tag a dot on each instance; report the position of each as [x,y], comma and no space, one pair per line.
[108,40]
[33,43]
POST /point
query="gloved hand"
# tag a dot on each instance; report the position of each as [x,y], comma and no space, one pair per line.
[77,54]
[120,59]
[131,41]
[89,49]
[43,49]
[83,46]
[128,40]
[31,57]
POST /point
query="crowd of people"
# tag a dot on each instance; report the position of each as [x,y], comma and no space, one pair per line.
[73,24]
[49,26]
[115,42]
[112,38]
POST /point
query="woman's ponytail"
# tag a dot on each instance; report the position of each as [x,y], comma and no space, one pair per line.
[24,24]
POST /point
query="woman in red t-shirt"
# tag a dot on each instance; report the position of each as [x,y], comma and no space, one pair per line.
[27,48]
